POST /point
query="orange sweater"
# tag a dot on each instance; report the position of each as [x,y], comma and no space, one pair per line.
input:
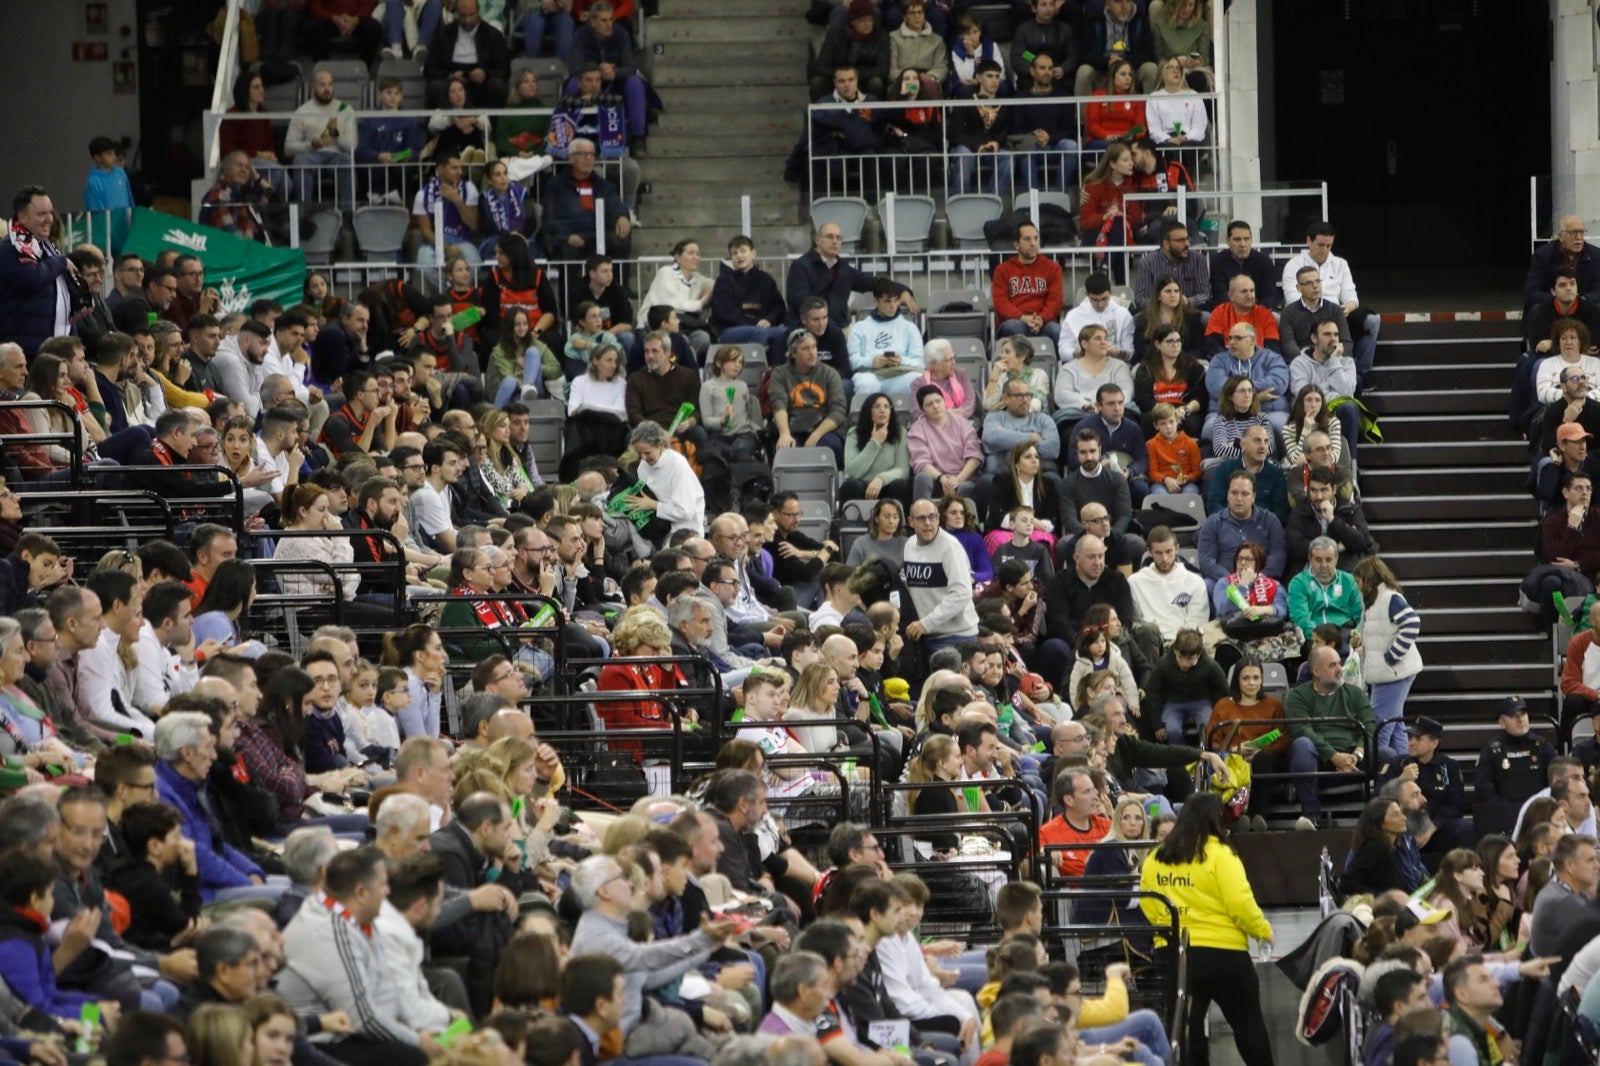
[1181,455]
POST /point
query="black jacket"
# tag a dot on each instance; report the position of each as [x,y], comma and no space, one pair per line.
[1067,598]
[494,55]
[1542,267]
[1349,528]
[159,907]
[810,276]
[743,298]
[1372,870]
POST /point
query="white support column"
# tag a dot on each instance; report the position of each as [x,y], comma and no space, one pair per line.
[1574,112]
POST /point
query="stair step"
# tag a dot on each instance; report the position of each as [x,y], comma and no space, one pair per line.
[1440,377]
[1413,481]
[1403,451]
[1470,678]
[1500,350]
[1448,508]
[1452,649]
[1507,619]
[1449,331]
[1476,536]
[765,100]
[1433,592]
[1414,565]
[1440,429]
[681,119]
[759,175]
[783,67]
[712,229]
[762,28]
[718,144]
[1386,403]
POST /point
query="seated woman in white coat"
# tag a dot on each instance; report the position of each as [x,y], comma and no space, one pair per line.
[675,495]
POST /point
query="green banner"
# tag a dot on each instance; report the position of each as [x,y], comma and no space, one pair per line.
[241,271]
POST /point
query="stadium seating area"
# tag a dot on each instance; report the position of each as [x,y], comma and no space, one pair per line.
[572,654]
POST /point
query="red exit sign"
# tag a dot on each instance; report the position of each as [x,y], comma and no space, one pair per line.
[90,52]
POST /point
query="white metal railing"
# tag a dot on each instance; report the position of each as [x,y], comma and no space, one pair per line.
[943,167]
[924,271]
[222,87]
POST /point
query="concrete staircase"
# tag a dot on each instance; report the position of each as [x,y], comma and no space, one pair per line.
[1447,503]
[732,75]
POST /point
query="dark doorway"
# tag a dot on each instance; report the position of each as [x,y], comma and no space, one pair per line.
[1426,118]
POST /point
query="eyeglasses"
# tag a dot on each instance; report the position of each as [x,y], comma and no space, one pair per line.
[924,518]
[507,676]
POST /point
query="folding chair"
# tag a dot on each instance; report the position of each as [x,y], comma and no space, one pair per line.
[967,213]
[816,517]
[810,473]
[913,222]
[350,80]
[546,424]
[946,319]
[850,212]
[380,232]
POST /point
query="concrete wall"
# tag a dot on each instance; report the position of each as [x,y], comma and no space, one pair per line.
[1575,112]
[53,105]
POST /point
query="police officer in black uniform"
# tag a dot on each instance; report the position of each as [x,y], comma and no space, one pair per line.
[1511,767]
[1442,782]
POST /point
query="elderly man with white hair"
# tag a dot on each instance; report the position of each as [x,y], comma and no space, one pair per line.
[185,751]
[605,892]
[306,852]
[960,396]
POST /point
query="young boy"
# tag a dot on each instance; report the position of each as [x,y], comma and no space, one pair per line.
[746,304]
[1022,546]
[665,318]
[1174,455]
[387,140]
[1183,687]
[838,600]
[27,887]
[108,189]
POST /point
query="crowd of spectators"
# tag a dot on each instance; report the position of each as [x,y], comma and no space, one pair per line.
[492,175]
[1096,100]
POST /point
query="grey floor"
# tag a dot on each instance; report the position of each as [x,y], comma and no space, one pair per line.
[1280,1002]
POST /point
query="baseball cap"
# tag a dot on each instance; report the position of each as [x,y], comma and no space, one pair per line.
[1425,727]
[1572,431]
[1511,706]
[1418,913]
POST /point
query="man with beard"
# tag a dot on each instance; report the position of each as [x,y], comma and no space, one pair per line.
[239,366]
[193,297]
[342,346]
[378,508]
[322,131]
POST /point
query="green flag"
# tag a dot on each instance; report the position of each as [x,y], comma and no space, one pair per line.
[241,271]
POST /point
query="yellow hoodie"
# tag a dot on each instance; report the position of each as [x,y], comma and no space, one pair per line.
[1213,898]
[1109,1009]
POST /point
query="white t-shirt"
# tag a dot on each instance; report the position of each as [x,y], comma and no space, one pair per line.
[433,513]
[279,462]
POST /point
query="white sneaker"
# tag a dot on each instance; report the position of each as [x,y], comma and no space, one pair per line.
[393,197]
[394,51]
[1304,825]
[374,199]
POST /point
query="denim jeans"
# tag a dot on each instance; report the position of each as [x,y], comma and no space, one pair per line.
[1011,327]
[1175,713]
[988,172]
[561,28]
[1388,707]
[1144,1026]
[394,22]
[311,182]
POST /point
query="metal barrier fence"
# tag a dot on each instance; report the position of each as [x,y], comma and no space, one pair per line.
[925,271]
[1025,161]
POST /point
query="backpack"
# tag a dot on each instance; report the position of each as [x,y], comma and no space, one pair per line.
[1322,1006]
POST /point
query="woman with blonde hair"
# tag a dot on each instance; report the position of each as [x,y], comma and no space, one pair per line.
[219,1034]
[815,696]
[499,468]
